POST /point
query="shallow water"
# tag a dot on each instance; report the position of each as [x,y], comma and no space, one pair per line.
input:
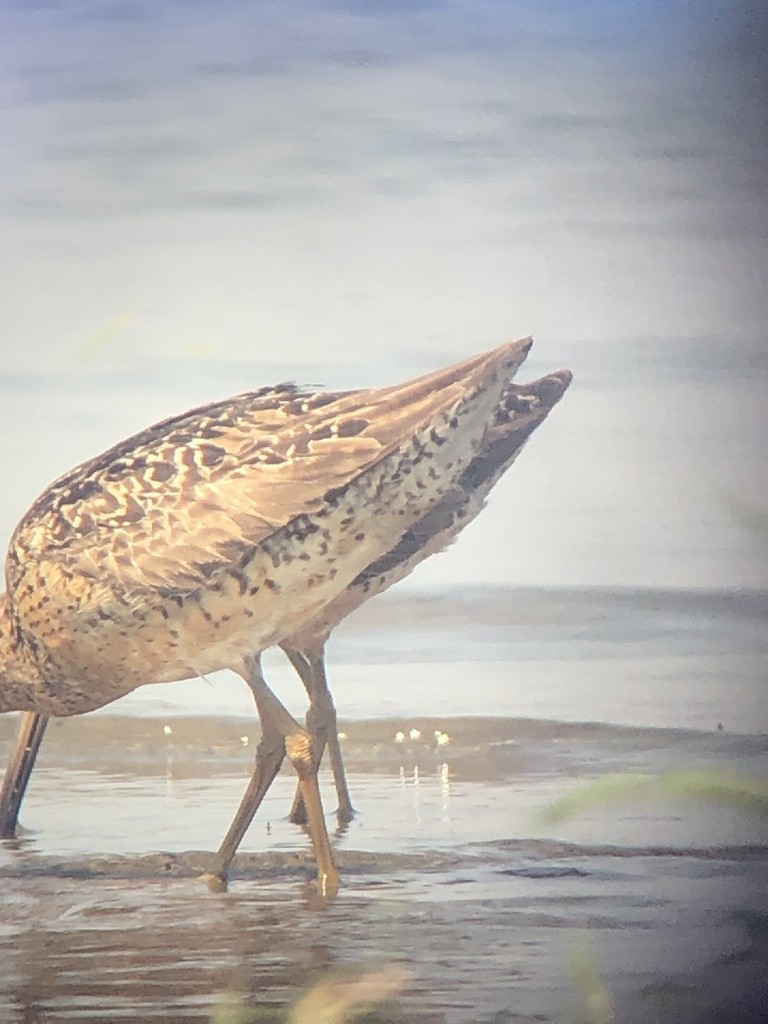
[449,867]
[450,872]
[482,943]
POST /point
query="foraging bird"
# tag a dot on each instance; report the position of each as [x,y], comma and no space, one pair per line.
[519,411]
[201,541]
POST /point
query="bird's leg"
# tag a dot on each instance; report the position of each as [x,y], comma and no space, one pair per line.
[29,736]
[326,710]
[270,753]
[298,747]
[322,727]
[298,813]
[281,735]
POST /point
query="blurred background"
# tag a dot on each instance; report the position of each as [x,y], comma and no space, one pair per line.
[197,199]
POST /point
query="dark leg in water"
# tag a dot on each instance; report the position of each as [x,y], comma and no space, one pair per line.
[322,727]
[29,736]
[280,735]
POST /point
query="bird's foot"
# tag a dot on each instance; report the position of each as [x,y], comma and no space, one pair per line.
[345,813]
[327,884]
[214,882]
[298,815]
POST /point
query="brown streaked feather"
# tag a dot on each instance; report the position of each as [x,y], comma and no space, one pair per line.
[117,514]
[521,409]
[233,470]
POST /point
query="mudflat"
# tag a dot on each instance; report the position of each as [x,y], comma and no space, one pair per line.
[655,909]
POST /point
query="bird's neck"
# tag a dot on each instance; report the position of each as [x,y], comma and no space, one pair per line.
[18,671]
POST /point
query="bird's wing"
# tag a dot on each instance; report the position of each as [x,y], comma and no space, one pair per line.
[170,504]
[165,506]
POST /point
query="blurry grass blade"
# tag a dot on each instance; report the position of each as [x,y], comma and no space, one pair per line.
[198,350]
[732,789]
[104,336]
[234,1009]
[340,999]
[594,1005]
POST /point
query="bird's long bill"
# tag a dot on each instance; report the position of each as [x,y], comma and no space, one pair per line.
[29,736]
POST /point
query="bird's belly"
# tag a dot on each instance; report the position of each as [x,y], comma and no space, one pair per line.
[106,642]
[97,657]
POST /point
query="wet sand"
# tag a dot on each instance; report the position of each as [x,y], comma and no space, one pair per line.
[448,870]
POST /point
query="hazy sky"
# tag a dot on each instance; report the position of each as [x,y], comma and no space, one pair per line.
[199,198]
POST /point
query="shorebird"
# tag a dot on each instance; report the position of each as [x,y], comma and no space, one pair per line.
[519,411]
[199,542]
